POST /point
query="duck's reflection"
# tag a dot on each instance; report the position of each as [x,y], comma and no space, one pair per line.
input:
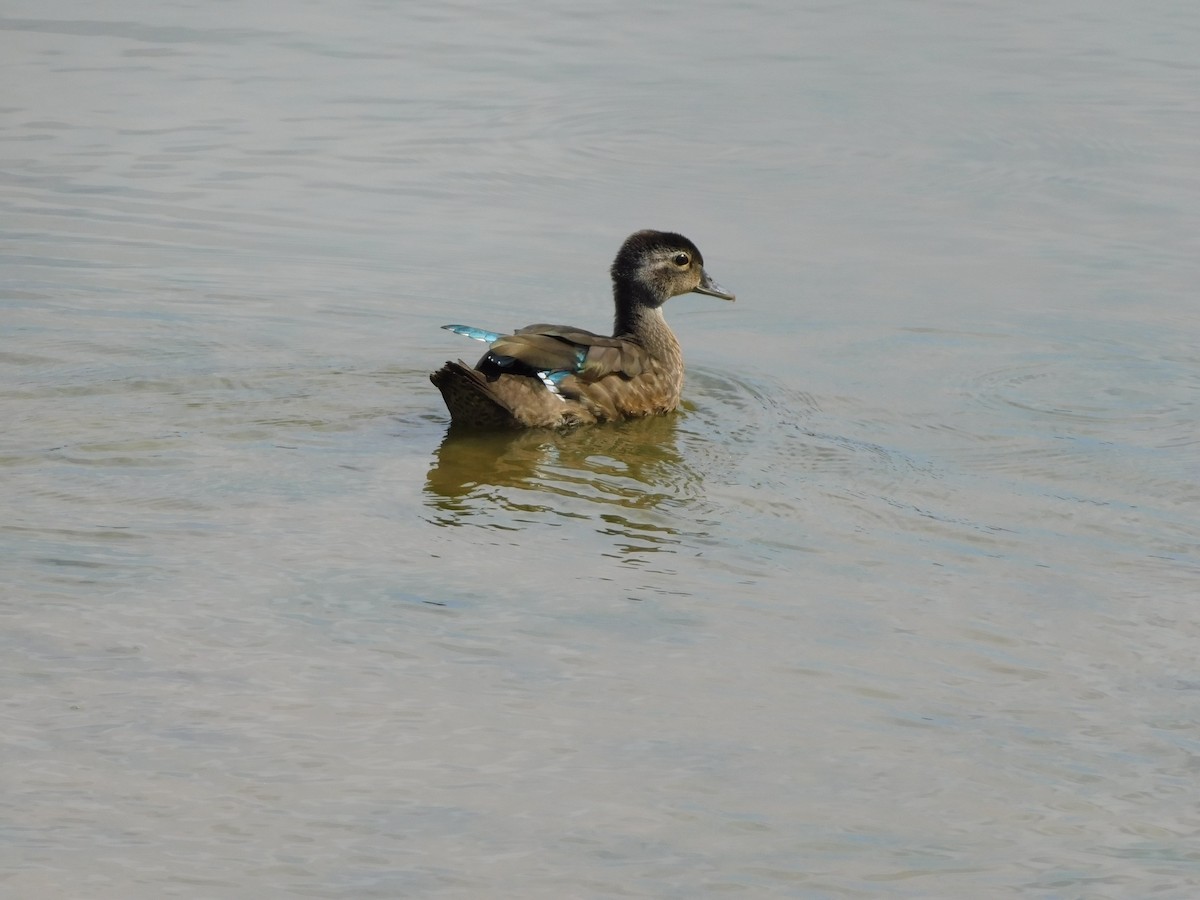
[619,476]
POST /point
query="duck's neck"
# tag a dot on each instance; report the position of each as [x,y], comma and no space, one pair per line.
[640,318]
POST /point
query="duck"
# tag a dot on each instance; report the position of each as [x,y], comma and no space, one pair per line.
[552,376]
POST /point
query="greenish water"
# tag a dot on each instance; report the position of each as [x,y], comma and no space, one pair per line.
[900,604]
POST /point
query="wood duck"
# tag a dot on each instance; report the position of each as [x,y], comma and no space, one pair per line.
[553,375]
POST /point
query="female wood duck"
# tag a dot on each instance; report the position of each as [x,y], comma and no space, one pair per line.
[552,375]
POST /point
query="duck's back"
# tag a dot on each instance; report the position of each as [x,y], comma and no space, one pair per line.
[550,375]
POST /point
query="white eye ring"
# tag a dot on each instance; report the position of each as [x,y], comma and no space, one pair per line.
[681,259]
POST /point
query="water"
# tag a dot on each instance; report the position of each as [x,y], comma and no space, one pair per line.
[901,604]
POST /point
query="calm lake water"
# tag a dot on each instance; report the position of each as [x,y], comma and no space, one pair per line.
[902,604]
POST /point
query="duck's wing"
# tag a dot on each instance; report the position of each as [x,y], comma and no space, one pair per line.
[570,350]
[477,334]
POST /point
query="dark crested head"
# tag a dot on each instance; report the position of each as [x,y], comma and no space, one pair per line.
[653,266]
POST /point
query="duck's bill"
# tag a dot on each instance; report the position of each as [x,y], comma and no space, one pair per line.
[710,287]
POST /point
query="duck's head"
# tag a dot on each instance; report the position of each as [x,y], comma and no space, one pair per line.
[655,266]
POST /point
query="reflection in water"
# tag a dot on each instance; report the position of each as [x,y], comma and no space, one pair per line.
[624,475]
[745,448]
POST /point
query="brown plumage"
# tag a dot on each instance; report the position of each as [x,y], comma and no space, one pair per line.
[551,375]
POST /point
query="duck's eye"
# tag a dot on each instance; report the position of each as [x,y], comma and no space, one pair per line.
[681,260]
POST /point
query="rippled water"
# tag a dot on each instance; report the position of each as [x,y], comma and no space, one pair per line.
[899,604]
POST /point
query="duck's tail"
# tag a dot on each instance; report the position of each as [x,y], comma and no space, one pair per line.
[470,397]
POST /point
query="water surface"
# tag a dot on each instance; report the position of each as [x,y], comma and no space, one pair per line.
[900,604]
